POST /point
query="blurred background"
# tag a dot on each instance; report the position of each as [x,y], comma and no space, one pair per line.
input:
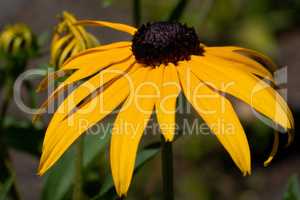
[202,169]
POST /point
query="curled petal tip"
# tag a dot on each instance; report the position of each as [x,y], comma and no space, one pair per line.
[34,119]
[37,116]
[121,194]
[268,162]
[40,172]
[247,173]
[169,137]
[290,137]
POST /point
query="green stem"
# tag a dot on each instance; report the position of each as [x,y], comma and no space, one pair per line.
[177,12]
[78,180]
[7,97]
[32,94]
[205,10]
[137,12]
[5,162]
[167,169]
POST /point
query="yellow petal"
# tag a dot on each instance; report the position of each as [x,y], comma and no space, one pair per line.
[52,76]
[95,60]
[117,26]
[219,115]
[244,86]
[166,106]
[240,61]
[79,95]
[78,31]
[85,72]
[7,37]
[57,47]
[79,34]
[91,40]
[76,50]
[81,120]
[17,44]
[86,89]
[265,60]
[42,109]
[274,149]
[129,127]
[66,52]
[100,48]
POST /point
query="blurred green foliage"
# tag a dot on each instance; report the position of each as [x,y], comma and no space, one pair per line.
[4,189]
[293,189]
[252,24]
[56,190]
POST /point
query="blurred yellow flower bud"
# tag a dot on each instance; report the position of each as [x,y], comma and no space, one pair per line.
[69,39]
[17,40]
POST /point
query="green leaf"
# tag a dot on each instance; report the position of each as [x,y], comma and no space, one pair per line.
[145,155]
[4,189]
[59,179]
[293,189]
[23,136]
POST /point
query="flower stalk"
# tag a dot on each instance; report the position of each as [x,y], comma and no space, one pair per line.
[78,180]
[137,12]
[167,169]
[5,162]
[178,10]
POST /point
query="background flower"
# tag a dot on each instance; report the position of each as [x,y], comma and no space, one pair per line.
[17,40]
[69,39]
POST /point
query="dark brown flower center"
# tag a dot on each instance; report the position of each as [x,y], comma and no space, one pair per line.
[165,42]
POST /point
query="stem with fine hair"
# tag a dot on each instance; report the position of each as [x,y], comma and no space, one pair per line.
[77,191]
[167,169]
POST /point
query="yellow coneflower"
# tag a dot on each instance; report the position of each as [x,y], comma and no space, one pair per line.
[162,60]
[69,39]
[17,39]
